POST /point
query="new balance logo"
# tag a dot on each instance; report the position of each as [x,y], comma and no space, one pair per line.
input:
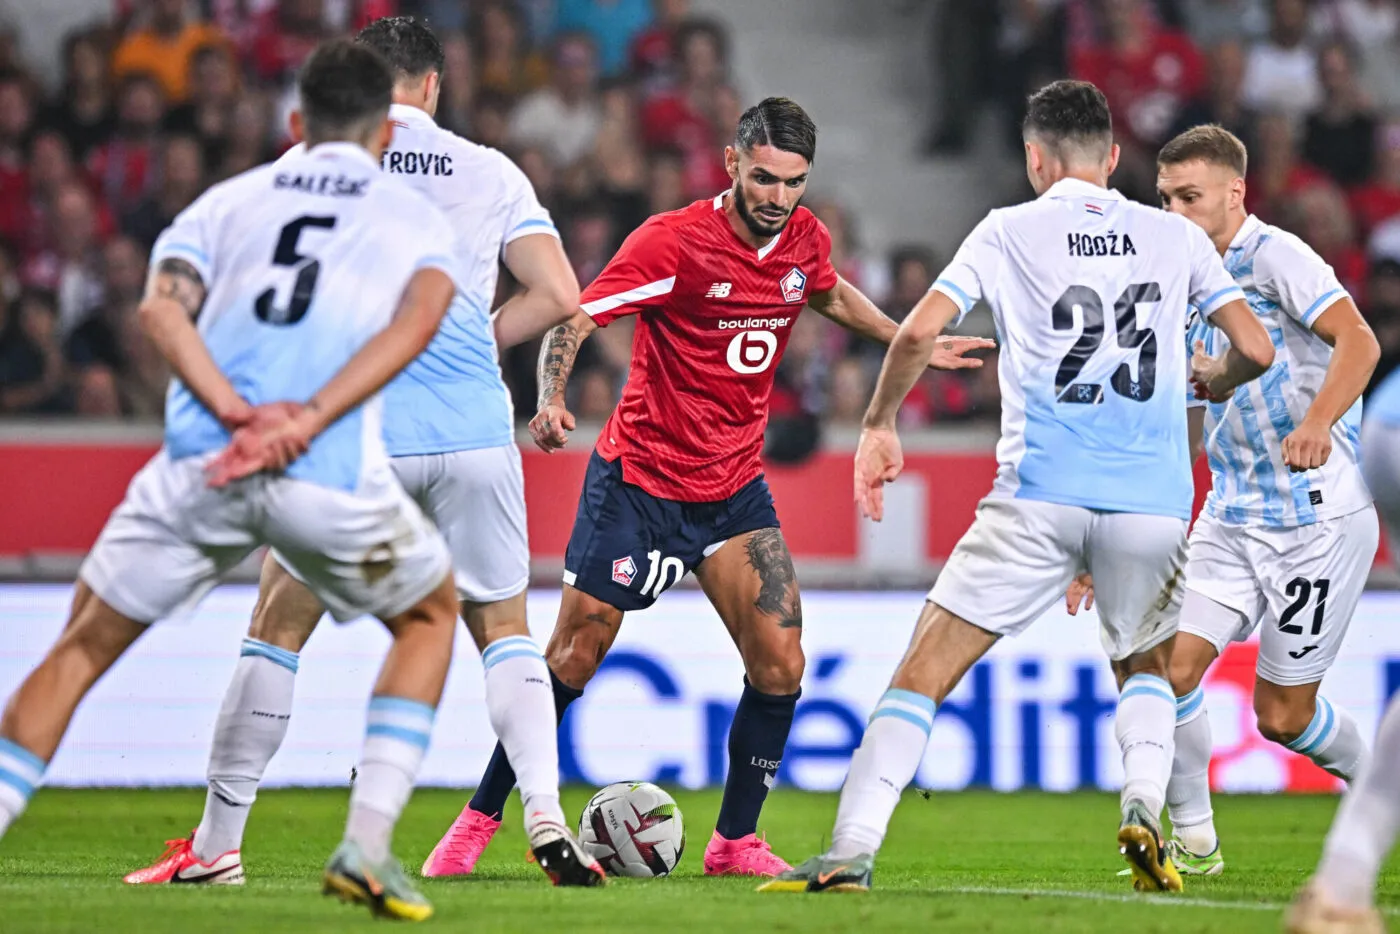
[1303,651]
[720,290]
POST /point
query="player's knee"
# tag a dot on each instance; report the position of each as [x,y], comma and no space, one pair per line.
[1281,723]
[575,661]
[778,674]
[1185,674]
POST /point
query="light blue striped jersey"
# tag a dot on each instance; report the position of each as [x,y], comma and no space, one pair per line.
[1289,287]
[304,262]
[452,398]
[1088,291]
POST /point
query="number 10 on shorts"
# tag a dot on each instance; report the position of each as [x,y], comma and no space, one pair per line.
[659,574]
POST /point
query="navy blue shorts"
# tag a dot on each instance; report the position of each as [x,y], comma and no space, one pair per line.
[628,546]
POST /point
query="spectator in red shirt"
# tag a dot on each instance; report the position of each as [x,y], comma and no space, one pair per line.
[1319,214]
[123,166]
[1149,74]
[16,120]
[654,51]
[684,119]
[83,110]
[285,37]
[52,166]
[1276,168]
[181,181]
[71,266]
[1379,200]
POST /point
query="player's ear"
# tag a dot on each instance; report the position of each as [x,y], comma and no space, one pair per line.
[296,126]
[1237,192]
[1113,153]
[731,162]
[432,89]
[386,134]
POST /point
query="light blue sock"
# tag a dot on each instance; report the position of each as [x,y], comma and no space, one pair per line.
[20,773]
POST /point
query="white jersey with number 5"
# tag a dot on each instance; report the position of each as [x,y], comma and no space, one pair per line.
[304,261]
[1090,294]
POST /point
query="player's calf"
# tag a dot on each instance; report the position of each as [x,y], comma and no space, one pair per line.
[39,712]
[1300,719]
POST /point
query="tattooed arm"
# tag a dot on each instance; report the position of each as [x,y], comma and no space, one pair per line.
[553,421]
[174,296]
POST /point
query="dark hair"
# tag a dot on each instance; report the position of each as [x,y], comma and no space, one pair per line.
[702,26]
[343,85]
[1069,113]
[1211,144]
[406,43]
[777,122]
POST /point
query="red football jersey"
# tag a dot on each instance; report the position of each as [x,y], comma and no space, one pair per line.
[715,317]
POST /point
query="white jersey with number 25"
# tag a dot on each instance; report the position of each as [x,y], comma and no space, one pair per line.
[1090,294]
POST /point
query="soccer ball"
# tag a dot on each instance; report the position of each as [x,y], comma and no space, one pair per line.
[634,829]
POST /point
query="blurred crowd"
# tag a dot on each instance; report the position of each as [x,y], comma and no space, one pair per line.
[1311,86]
[615,109]
[618,109]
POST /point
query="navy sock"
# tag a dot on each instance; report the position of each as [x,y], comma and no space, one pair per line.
[498,780]
[756,740]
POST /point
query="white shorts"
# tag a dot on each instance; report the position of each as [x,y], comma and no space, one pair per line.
[172,537]
[477,500]
[1300,586]
[1020,555]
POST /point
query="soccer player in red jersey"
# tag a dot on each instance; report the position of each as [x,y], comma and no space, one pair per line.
[676,484]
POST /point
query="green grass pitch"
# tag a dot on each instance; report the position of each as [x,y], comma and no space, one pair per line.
[974,861]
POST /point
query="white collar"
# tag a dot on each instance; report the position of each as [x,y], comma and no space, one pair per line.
[405,113]
[344,150]
[1078,188]
[1248,229]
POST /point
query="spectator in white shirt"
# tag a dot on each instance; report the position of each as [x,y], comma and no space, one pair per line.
[1281,74]
[563,119]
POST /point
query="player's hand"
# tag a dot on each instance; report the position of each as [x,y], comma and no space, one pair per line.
[879,460]
[271,438]
[1080,592]
[1308,447]
[551,426]
[950,353]
[1208,376]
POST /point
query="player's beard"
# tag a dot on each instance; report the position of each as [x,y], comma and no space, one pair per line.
[757,226]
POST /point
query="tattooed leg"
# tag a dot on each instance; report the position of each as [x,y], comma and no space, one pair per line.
[584,632]
[751,583]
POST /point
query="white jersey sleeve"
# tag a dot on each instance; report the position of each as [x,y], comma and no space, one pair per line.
[191,237]
[524,215]
[1211,287]
[1288,272]
[969,277]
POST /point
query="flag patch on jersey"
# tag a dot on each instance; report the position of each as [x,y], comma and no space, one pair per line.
[624,569]
[794,285]
[1093,208]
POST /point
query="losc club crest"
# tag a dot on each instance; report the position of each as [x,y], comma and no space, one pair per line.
[624,569]
[794,285]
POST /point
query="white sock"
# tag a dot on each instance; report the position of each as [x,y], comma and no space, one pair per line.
[20,773]
[881,768]
[251,726]
[520,703]
[1188,792]
[1366,823]
[1144,724]
[397,731]
[1333,741]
